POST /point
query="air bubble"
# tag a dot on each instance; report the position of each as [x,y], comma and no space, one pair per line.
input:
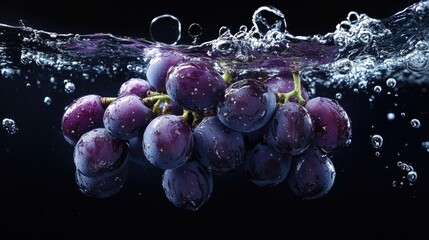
[9,125]
[365,37]
[416,61]
[412,176]
[166,29]
[377,141]
[268,18]
[69,87]
[391,82]
[47,100]
[390,116]
[343,66]
[338,96]
[353,17]
[377,89]
[195,31]
[415,123]
[422,46]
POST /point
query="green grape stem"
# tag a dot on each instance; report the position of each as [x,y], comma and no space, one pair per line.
[296,92]
[105,101]
[158,98]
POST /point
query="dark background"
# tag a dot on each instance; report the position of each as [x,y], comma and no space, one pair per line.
[39,198]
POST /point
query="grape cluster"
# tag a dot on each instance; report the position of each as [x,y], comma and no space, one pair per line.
[191,120]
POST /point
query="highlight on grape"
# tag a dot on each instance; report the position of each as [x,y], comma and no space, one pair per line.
[191,119]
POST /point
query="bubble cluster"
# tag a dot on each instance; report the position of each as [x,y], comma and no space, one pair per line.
[411,174]
[9,125]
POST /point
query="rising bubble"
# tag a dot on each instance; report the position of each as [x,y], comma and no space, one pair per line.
[166,29]
[391,82]
[415,123]
[377,141]
[9,125]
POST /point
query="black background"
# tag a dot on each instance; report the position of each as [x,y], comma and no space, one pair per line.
[39,198]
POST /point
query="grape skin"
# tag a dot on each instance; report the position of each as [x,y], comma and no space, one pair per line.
[332,125]
[127,116]
[104,186]
[189,186]
[168,141]
[99,154]
[158,67]
[266,167]
[290,130]
[82,115]
[312,175]
[195,85]
[136,86]
[247,106]
[217,147]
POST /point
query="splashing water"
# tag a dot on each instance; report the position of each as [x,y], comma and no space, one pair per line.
[382,53]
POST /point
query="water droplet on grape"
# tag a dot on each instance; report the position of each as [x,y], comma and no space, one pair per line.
[166,29]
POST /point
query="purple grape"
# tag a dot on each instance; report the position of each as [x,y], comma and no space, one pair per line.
[290,130]
[158,67]
[104,186]
[332,126]
[255,137]
[312,174]
[99,154]
[266,167]
[82,115]
[189,186]
[247,106]
[136,86]
[136,154]
[284,83]
[219,148]
[127,116]
[195,85]
[168,141]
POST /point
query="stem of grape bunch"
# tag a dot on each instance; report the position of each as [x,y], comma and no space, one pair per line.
[296,92]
